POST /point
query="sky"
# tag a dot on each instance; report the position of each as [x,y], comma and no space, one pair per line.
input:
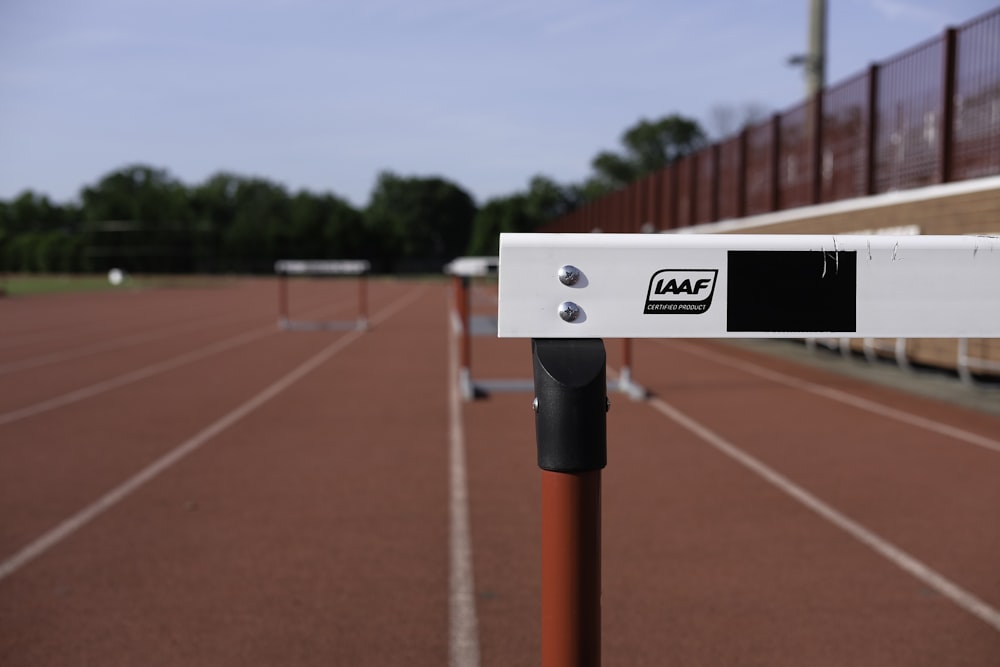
[324,95]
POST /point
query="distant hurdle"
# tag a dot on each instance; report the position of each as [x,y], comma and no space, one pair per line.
[704,286]
[463,271]
[358,268]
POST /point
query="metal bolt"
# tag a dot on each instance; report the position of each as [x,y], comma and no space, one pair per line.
[569,311]
[534,405]
[569,275]
[607,404]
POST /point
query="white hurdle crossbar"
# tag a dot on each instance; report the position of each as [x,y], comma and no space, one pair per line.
[358,268]
[699,286]
[749,286]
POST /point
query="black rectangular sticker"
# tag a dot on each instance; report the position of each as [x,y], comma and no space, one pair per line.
[792,291]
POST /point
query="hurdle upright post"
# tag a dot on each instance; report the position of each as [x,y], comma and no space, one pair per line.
[282,298]
[460,285]
[363,300]
[571,432]
[625,375]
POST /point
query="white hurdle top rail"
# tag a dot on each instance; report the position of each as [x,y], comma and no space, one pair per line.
[748,286]
[472,267]
[322,267]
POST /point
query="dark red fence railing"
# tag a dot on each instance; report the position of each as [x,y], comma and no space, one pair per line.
[928,115]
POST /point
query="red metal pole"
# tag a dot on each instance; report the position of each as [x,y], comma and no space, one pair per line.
[571,569]
[282,298]
[363,297]
[571,407]
[460,291]
[625,374]
[463,312]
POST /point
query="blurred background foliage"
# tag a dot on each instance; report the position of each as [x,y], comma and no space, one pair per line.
[142,219]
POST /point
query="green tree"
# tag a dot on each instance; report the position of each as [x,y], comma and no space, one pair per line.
[254,239]
[548,200]
[424,219]
[137,193]
[324,227]
[33,212]
[139,218]
[502,214]
[38,235]
[214,206]
[544,200]
[648,147]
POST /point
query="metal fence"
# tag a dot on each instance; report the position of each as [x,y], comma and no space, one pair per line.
[928,115]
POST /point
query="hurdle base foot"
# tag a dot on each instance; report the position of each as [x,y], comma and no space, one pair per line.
[626,385]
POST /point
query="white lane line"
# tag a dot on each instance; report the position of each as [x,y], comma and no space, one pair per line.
[74,523]
[136,375]
[108,345]
[887,550]
[843,397]
[463,630]
[133,376]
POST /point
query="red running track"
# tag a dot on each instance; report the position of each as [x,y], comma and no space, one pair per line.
[183,484]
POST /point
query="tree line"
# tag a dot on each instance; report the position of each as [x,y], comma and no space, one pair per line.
[142,219]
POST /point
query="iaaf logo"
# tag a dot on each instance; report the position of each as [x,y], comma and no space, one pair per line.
[680,291]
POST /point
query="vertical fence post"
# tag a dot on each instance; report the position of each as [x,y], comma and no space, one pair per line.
[571,431]
[713,213]
[775,203]
[816,140]
[656,200]
[671,203]
[871,139]
[693,162]
[947,126]
[741,170]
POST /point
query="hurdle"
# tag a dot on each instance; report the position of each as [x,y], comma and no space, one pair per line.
[358,268]
[463,270]
[704,286]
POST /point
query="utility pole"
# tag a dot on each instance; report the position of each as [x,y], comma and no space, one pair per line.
[814,62]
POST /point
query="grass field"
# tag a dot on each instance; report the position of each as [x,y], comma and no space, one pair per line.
[30,284]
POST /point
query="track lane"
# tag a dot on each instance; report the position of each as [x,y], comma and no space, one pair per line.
[64,367]
[273,543]
[44,322]
[53,462]
[707,564]
[932,495]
